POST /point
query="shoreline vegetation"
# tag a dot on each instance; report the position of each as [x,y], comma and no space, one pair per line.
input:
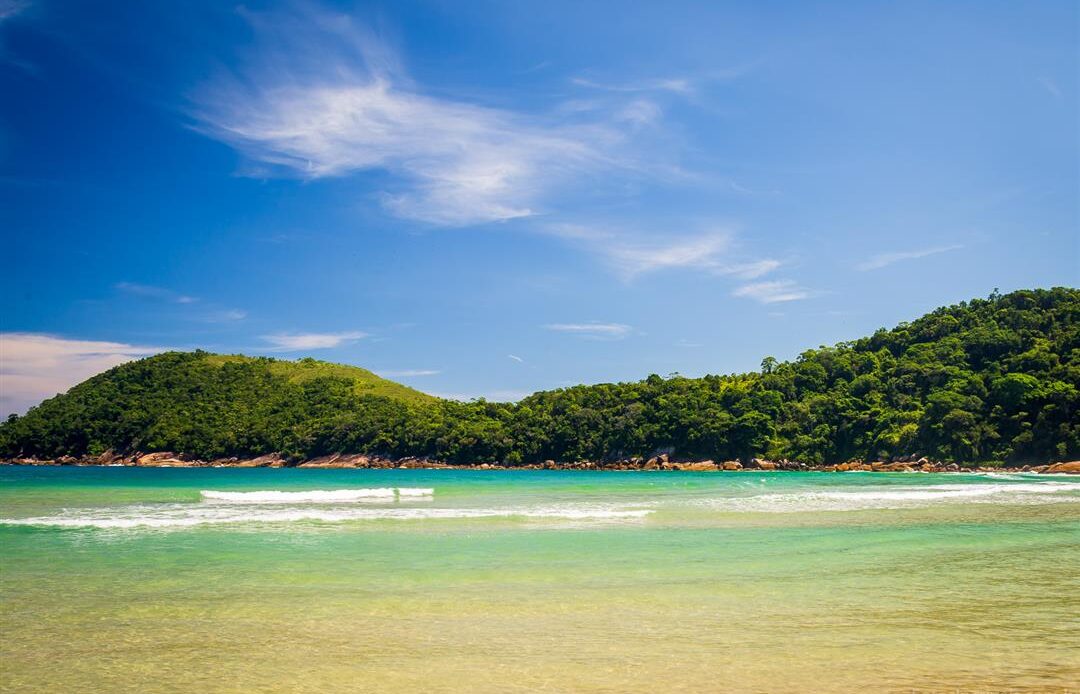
[662,462]
[982,384]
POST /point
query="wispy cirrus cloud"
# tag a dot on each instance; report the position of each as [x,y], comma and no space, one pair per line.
[147,291]
[228,315]
[514,357]
[592,330]
[773,292]
[885,259]
[207,314]
[682,85]
[296,342]
[36,366]
[677,85]
[1051,87]
[408,373]
[631,255]
[327,97]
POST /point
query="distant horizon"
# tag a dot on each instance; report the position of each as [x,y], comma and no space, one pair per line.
[482,201]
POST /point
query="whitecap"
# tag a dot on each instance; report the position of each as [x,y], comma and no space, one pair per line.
[900,497]
[189,515]
[317,496]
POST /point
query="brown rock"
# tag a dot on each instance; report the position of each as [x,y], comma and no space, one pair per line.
[732,465]
[163,459]
[272,460]
[701,466]
[1070,468]
[336,461]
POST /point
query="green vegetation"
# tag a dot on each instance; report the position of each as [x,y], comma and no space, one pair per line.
[991,379]
[308,369]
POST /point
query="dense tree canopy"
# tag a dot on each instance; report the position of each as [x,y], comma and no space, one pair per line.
[989,379]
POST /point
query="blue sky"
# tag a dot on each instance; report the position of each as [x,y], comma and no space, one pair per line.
[490,198]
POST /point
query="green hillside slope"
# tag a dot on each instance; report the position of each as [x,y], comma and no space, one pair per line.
[303,370]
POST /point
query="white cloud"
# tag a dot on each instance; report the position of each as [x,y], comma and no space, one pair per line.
[640,112]
[327,98]
[1051,86]
[633,254]
[677,85]
[515,358]
[295,342]
[599,331]
[157,293]
[884,259]
[225,316]
[772,292]
[35,366]
[409,373]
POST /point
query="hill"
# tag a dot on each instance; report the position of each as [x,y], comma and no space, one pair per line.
[994,379]
[196,402]
[303,370]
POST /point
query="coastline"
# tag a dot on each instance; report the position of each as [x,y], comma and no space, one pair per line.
[662,462]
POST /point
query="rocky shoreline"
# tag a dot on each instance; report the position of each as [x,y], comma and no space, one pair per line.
[659,462]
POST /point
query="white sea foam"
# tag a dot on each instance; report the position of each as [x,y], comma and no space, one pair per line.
[318,496]
[188,515]
[901,497]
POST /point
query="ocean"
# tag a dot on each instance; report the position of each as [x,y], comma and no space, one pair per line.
[288,580]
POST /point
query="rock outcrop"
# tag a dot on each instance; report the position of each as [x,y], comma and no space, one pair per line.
[163,459]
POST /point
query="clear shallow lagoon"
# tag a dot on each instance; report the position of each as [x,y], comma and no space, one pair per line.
[237,580]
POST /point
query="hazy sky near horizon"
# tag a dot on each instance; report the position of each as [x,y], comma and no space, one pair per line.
[490,198]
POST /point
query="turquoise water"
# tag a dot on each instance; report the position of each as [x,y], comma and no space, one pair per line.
[235,580]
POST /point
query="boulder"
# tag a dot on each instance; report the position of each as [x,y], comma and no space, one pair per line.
[1070,468]
[162,459]
[261,461]
[336,461]
[700,466]
[766,465]
[732,465]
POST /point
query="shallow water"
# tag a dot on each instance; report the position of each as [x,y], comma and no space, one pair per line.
[237,580]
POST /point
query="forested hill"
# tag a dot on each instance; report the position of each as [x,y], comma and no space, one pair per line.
[990,379]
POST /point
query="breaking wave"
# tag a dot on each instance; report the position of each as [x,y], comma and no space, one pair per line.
[318,496]
[189,515]
[901,497]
